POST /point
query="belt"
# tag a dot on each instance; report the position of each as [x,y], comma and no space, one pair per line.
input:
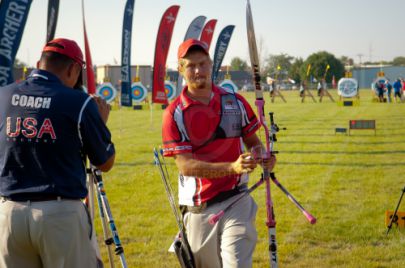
[220,197]
[37,198]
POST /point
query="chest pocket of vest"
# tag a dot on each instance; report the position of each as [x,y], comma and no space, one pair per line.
[230,125]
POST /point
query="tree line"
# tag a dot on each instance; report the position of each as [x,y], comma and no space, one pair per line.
[318,65]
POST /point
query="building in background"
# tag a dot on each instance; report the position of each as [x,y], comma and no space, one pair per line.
[112,73]
[365,75]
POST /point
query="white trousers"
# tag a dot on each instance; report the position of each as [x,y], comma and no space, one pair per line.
[228,243]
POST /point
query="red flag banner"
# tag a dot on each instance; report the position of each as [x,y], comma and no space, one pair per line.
[163,39]
[208,32]
[91,85]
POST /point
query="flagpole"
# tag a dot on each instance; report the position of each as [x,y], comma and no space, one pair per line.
[91,88]
[151,114]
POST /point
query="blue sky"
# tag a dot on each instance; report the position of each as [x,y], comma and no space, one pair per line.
[374,29]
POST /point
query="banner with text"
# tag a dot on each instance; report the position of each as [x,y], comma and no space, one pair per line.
[220,49]
[163,40]
[126,95]
[13,16]
[208,32]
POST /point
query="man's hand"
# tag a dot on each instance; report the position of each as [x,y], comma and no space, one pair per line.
[103,108]
[244,164]
[267,163]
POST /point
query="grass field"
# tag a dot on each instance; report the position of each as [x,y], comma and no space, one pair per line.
[347,182]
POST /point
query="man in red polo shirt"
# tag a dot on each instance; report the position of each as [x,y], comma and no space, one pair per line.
[204,129]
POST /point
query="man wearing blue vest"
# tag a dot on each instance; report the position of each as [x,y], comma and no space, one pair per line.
[47,129]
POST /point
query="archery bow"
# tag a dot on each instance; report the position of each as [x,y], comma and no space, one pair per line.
[270,139]
[254,58]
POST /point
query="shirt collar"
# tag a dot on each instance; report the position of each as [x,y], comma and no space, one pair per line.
[43,75]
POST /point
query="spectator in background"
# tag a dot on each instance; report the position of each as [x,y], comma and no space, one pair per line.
[271,84]
[388,88]
[403,88]
[379,86]
[302,88]
[319,87]
[271,88]
[397,89]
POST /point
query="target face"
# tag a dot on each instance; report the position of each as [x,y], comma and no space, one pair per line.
[347,87]
[107,92]
[228,84]
[138,92]
[170,90]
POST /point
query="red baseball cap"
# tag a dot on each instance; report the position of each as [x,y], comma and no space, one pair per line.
[186,45]
[65,47]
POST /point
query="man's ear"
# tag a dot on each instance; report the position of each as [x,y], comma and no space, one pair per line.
[72,70]
[71,74]
[69,70]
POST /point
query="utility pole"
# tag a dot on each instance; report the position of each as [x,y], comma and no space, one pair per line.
[360,56]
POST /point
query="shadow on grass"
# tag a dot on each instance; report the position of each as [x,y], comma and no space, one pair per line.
[348,153]
[351,136]
[340,142]
[394,164]
[338,120]
[332,128]
[123,164]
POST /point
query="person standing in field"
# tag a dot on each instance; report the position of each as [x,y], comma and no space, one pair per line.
[301,89]
[204,130]
[403,88]
[379,85]
[319,88]
[388,87]
[397,89]
[48,128]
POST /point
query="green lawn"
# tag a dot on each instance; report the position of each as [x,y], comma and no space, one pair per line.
[347,182]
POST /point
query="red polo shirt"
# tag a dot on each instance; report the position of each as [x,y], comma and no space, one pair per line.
[189,127]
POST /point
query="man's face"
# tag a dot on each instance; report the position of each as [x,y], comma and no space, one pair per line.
[197,69]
